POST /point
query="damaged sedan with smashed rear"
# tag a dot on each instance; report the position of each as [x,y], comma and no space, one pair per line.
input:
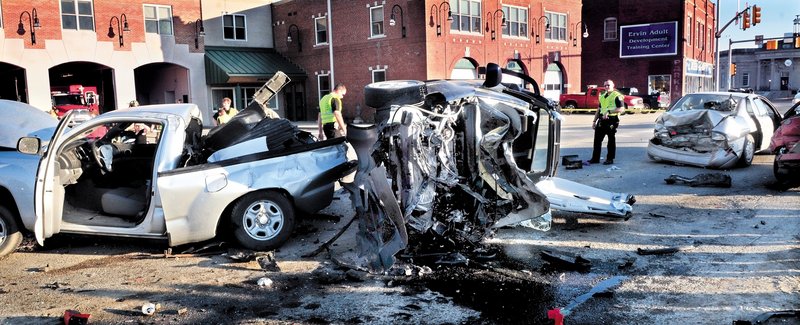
[715,130]
[462,158]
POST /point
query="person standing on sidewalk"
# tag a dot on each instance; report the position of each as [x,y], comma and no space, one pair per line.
[330,113]
[606,122]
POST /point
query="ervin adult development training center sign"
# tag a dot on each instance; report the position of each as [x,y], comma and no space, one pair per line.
[648,40]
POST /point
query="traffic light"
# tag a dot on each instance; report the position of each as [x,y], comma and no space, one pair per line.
[733,69]
[756,15]
[746,20]
[797,42]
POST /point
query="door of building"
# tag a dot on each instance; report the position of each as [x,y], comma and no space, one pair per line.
[552,82]
[784,83]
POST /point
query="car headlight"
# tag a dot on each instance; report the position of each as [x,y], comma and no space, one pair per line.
[661,134]
[717,136]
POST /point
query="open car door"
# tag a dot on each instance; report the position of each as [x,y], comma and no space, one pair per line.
[49,194]
[537,151]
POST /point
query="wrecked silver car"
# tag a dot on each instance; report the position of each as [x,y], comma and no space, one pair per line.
[103,177]
[455,160]
[715,130]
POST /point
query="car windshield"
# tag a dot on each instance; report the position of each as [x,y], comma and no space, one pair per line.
[718,102]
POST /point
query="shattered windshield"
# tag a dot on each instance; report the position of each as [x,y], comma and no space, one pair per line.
[717,102]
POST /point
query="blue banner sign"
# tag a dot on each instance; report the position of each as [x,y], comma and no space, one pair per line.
[655,39]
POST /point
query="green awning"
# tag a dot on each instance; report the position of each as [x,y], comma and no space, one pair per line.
[225,65]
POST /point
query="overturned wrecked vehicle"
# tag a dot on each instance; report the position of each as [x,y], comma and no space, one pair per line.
[462,158]
[104,177]
[785,145]
[715,130]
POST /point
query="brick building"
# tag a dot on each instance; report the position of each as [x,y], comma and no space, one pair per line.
[653,45]
[86,42]
[356,44]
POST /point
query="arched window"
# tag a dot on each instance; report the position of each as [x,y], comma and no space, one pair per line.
[610,29]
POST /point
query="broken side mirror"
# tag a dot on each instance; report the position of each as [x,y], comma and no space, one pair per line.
[494,76]
[29,145]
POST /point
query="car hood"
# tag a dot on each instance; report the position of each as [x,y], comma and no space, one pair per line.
[708,118]
[27,121]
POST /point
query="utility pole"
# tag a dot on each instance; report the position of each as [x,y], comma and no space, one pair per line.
[716,48]
[718,34]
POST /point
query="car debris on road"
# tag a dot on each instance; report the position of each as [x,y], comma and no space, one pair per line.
[705,179]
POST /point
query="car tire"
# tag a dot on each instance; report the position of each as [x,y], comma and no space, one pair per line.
[10,236]
[748,151]
[385,93]
[262,220]
[646,108]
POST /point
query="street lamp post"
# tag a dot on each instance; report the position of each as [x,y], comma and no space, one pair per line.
[574,33]
[297,33]
[33,21]
[124,28]
[536,23]
[438,21]
[393,22]
[199,31]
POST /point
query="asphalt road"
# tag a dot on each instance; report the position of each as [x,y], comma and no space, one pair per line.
[739,256]
[738,248]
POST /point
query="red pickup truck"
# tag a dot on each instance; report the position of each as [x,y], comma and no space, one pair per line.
[590,101]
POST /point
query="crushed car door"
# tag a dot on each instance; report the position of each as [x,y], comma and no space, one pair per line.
[49,194]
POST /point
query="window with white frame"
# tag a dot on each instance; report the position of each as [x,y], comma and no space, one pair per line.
[321,27]
[689,29]
[158,19]
[376,21]
[378,75]
[77,15]
[234,27]
[516,21]
[745,80]
[558,26]
[466,16]
[610,28]
[323,84]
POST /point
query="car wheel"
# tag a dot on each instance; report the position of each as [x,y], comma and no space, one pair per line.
[262,220]
[385,93]
[748,151]
[646,108]
[10,236]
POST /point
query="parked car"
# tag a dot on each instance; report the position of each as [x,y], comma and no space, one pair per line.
[796,98]
[590,101]
[714,129]
[653,101]
[247,177]
[785,145]
[463,157]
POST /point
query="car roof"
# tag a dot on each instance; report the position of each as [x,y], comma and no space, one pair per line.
[185,111]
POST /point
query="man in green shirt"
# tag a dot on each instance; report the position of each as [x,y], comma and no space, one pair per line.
[330,113]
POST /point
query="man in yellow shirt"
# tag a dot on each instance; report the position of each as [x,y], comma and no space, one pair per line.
[225,113]
[606,122]
[330,113]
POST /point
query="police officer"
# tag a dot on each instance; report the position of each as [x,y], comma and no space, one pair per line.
[606,122]
[330,113]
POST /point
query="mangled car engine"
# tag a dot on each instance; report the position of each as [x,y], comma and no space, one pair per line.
[441,163]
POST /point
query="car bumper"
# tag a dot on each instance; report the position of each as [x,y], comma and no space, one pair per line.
[719,158]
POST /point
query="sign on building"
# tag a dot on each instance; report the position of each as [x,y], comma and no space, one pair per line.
[655,39]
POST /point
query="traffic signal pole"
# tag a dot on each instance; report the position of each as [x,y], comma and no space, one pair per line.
[717,35]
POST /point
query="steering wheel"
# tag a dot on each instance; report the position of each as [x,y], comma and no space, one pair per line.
[98,157]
